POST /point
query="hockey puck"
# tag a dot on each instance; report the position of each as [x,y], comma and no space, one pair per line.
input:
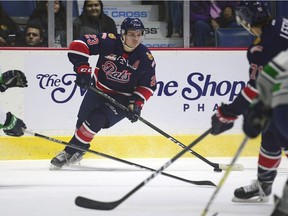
[217,170]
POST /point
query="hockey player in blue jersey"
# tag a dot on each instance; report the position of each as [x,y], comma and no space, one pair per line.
[272,84]
[271,38]
[125,71]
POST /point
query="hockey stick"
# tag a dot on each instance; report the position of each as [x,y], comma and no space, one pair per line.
[118,159]
[223,179]
[217,167]
[93,204]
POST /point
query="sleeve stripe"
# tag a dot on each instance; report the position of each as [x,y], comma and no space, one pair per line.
[143,92]
[79,47]
[249,93]
[79,53]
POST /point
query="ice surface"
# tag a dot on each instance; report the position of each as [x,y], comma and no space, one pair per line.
[28,188]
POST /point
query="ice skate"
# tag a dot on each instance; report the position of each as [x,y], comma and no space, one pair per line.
[256,192]
[63,158]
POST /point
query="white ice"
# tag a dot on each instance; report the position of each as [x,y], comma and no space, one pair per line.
[28,188]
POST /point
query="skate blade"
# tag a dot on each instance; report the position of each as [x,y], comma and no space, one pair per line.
[251,200]
[53,167]
[235,167]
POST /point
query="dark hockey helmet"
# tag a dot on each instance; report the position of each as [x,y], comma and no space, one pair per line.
[131,24]
[250,13]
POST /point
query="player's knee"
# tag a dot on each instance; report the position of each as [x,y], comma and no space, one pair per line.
[97,121]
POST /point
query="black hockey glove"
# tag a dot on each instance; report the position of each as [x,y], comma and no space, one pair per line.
[13,126]
[256,119]
[83,78]
[222,120]
[134,110]
[12,78]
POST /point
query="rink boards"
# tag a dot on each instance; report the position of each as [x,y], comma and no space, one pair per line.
[129,147]
[190,86]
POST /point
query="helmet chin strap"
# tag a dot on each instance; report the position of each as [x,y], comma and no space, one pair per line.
[125,46]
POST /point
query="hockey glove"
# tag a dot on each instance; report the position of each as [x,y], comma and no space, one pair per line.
[12,78]
[134,110]
[256,119]
[13,126]
[222,120]
[83,78]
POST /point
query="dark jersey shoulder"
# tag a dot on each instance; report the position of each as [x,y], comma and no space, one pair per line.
[274,39]
[146,56]
[101,43]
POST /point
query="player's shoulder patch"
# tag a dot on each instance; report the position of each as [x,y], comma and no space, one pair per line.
[105,36]
[112,36]
[149,55]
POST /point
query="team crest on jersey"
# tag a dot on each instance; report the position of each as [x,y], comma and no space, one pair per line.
[150,56]
[112,36]
[111,72]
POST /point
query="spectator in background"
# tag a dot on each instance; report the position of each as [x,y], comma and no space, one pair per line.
[10,32]
[33,35]
[227,19]
[206,16]
[93,20]
[176,16]
[40,14]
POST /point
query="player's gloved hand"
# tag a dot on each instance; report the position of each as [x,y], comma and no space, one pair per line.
[83,78]
[256,119]
[12,78]
[134,110]
[13,126]
[222,120]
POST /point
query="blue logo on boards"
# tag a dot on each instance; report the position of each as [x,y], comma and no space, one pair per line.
[125,14]
[198,86]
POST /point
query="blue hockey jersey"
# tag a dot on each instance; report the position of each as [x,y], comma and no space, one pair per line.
[273,40]
[117,71]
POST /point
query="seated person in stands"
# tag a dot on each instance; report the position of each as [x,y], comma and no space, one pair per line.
[206,16]
[10,32]
[33,35]
[227,19]
[93,20]
[40,14]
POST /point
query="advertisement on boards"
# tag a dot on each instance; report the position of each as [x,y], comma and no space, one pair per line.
[120,12]
[190,86]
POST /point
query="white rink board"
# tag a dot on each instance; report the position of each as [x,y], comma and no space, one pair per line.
[163,43]
[182,104]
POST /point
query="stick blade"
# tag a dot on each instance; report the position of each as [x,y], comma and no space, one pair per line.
[94,204]
[235,167]
[205,182]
